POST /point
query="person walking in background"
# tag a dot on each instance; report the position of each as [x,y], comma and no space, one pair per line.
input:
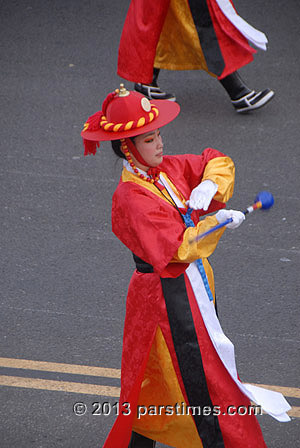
[189,35]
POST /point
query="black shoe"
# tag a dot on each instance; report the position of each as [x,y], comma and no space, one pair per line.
[153,93]
[253,100]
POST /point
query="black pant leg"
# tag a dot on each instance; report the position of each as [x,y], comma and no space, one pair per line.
[139,441]
[235,86]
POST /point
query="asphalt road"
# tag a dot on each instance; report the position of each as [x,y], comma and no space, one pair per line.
[64,276]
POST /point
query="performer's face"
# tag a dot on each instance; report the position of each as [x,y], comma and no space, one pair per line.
[150,146]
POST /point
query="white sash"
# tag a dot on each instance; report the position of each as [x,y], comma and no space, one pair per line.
[271,402]
[255,36]
[171,192]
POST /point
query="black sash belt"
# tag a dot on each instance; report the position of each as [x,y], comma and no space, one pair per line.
[190,360]
[142,266]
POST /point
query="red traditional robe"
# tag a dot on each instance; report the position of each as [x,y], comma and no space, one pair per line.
[180,35]
[168,359]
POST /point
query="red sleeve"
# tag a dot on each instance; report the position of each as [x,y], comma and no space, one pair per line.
[146,224]
[188,169]
[186,172]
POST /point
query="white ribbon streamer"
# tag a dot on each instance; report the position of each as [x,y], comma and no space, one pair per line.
[271,402]
[255,36]
[171,192]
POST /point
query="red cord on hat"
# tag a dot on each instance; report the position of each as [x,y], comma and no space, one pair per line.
[93,124]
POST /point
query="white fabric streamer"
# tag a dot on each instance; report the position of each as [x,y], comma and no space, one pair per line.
[255,36]
[171,192]
[273,403]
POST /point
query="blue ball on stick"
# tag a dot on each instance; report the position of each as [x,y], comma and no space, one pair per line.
[266,199]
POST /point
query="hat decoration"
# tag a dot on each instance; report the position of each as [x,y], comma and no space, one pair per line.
[100,121]
[125,114]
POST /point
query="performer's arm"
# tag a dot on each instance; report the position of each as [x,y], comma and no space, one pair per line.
[220,170]
[187,252]
[211,165]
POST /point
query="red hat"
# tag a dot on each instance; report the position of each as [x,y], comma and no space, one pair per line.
[126,114]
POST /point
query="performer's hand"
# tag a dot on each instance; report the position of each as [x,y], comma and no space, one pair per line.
[237,218]
[202,195]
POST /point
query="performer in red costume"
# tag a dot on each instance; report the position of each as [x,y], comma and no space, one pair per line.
[178,369]
[189,35]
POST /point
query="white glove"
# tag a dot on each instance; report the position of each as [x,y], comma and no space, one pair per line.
[237,218]
[202,195]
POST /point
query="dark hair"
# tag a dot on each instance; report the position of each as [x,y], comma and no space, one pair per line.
[116,146]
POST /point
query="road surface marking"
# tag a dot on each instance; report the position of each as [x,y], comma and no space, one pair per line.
[61,386]
[59,367]
[286,391]
[91,389]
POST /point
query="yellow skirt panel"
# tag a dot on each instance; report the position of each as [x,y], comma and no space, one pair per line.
[162,411]
[179,46]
